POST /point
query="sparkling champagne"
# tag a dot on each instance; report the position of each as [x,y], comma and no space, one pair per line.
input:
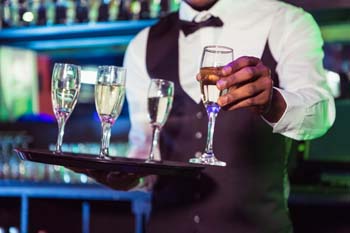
[109,100]
[214,57]
[210,93]
[158,109]
[64,101]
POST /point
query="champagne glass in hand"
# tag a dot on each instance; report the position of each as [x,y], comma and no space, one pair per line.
[213,59]
[160,100]
[65,87]
[109,99]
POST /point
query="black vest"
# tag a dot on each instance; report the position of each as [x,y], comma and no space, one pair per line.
[247,195]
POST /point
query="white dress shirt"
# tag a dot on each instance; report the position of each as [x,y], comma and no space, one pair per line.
[295,43]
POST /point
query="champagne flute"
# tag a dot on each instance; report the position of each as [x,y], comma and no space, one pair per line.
[109,99]
[214,57]
[65,87]
[160,100]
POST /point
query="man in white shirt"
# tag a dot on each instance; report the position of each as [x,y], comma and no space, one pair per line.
[288,97]
[295,42]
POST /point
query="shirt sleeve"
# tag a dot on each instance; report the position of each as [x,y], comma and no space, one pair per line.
[137,81]
[296,43]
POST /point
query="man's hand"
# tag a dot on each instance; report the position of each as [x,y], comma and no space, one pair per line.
[249,85]
[114,180]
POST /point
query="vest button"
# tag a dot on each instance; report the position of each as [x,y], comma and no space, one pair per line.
[199,115]
[198,135]
[196,219]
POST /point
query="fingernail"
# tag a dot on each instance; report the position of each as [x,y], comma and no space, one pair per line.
[221,83]
[226,70]
[222,100]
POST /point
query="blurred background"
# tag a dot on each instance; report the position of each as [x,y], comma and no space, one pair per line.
[34,34]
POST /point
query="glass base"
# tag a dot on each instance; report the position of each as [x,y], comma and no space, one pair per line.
[152,161]
[104,156]
[208,160]
[58,152]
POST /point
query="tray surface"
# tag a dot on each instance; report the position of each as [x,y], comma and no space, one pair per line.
[87,161]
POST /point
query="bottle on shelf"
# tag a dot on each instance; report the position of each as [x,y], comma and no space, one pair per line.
[6,14]
[144,9]
[11,167]
[50,12]
[81,11]
[93,10]
[103,11]
[22,12]
[113,9]
[70,5]
[124,12]
[135,9]
[154,8]
[4,160]
[174,5]
[14,13]
[13,163]
[60,12]
[164,7]
[41,13]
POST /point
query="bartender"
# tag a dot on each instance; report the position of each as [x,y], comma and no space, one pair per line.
[277,92]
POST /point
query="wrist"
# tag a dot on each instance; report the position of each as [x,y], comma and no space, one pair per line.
[276,108]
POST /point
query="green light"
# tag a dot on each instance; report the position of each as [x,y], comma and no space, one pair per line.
[336,32]
[301,147]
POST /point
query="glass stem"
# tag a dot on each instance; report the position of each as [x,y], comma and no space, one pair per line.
[61,124]
[155,138]
[106,135]
[211,125]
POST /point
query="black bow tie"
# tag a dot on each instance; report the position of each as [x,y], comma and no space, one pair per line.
[189,27]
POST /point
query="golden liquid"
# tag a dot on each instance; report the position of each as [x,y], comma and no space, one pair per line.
[109,100]
[209,92]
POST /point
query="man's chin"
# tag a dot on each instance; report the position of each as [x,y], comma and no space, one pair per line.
[201,4]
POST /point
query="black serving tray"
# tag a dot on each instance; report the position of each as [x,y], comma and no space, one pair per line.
[85,161]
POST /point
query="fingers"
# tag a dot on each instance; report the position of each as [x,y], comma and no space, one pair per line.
[122,181]
[252,94]
[257,103]
[244,92]
[115,180]
[234,66]
[246,82]
[146,183]
[238,64]
[113,177]
[97,175]
[244,75]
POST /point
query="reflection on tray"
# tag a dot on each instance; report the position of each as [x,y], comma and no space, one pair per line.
[119,149]
[130,165]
